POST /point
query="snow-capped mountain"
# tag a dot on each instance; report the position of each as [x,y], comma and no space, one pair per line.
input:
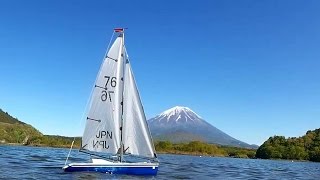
[181,124]
[178,114]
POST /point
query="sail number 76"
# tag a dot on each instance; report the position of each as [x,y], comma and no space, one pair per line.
[113,82]
[106,94]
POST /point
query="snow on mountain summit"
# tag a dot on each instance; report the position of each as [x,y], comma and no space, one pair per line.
[177,110]
[178,113]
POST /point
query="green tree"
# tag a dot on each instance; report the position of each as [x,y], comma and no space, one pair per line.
[303,148]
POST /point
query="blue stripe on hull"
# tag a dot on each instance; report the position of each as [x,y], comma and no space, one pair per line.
[116,170]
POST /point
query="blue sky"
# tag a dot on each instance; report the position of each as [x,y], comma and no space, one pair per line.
[250,68]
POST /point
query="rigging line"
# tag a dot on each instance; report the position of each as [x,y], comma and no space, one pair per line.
[89,99]
[69,152]
[109,43]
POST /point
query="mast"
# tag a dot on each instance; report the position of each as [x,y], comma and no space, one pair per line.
[121,30]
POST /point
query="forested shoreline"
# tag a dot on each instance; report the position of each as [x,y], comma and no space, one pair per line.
[306,147]
[16,132]
[203,149]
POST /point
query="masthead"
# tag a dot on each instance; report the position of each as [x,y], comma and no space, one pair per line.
[119,29]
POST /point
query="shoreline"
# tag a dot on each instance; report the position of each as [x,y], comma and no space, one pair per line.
[161,152]
[37,145]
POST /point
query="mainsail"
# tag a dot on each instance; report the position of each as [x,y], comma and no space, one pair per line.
[102,130]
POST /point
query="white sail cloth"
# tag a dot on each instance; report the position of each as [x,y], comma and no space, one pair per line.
[102,130]
[136,135]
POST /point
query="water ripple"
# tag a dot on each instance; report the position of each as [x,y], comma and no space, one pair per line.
[19,162]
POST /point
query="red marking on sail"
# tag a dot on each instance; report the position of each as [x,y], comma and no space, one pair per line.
[118,29]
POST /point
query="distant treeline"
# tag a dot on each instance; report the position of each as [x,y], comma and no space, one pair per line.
[24,134]
[5,117]
[306,147]
[201,148]
[13,131]
[17,133]
[56,141]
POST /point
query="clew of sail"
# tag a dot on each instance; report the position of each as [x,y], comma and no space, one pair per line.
[136,135]
[102,129]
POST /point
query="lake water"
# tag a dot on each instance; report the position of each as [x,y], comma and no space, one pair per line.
[19,162]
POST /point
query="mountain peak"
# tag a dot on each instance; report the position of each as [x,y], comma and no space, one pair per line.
[179,113]
[181,124]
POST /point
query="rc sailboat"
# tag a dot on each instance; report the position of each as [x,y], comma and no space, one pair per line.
[116,127]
